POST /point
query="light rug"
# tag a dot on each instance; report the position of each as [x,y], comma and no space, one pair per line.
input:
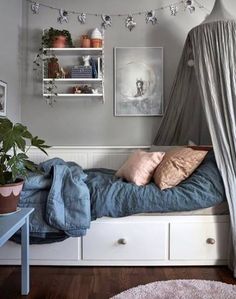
[181,289]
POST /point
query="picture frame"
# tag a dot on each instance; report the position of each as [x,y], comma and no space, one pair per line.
[138,76]
[3,98]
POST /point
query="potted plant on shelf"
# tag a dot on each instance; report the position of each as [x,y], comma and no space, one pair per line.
[55,38]
[52,38]
[14,162]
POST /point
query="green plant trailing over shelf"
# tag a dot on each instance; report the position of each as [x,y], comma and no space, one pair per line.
[51,90]
[14,162]
[50,34]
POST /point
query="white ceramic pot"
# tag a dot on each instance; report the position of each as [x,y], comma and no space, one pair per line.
[96,34]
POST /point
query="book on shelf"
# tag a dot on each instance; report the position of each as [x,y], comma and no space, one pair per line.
[94,71]
[97,65]
[82,72]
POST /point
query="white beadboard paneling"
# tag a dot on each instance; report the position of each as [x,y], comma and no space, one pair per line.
[110,161]
[88,157]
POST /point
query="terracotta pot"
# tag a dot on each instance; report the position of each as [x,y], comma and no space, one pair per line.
[96,43]
[85,42]
[59,41]
[9,196]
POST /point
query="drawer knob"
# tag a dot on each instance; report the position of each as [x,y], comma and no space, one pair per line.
[122,241]
[211,241]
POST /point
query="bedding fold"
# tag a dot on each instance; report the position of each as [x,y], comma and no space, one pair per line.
[60,198]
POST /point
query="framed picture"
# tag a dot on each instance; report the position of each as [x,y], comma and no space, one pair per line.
[3,98]
[138,81]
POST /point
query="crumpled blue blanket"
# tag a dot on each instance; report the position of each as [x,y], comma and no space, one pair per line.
[66,198]
[60,198]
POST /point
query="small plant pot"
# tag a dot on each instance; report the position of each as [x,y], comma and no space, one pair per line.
[9,196]
[96,43]
[85,42]
[59,41]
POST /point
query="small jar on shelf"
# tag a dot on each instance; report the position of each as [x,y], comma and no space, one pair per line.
[85,41]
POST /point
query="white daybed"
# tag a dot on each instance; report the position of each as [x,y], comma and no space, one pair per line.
[199,238]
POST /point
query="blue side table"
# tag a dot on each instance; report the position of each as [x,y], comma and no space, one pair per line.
[8,226]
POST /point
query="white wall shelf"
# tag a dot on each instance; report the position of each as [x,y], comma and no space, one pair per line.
[73,80]
[59,83]
[74,95]
[74,51]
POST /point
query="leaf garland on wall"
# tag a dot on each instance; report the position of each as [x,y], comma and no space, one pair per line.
[130,22]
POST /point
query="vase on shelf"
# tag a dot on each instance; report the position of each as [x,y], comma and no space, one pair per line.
[53,68]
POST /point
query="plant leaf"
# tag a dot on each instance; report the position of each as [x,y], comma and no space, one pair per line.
[15,163]
[21,143]
[31,166]
[39,143]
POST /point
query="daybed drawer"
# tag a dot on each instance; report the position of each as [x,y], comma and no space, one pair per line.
[65,250]
[126,241]
[199,241]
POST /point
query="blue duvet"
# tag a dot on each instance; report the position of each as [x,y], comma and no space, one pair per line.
[66,198]
[116,198]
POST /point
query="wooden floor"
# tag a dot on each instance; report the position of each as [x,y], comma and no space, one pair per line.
[97,282]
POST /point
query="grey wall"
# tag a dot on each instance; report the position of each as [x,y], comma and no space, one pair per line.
[11,54]
[88,122]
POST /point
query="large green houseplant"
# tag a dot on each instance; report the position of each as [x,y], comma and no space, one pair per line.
[14,162]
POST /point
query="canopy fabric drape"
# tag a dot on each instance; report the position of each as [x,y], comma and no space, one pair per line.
[181,123]
[212,82]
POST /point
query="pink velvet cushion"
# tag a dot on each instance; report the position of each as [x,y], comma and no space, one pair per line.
[140,166]
[177,166]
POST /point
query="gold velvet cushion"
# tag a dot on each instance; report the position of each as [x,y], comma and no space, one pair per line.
[177,165]
[140,166]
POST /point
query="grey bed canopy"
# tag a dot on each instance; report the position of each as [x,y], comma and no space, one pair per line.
[202,105]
